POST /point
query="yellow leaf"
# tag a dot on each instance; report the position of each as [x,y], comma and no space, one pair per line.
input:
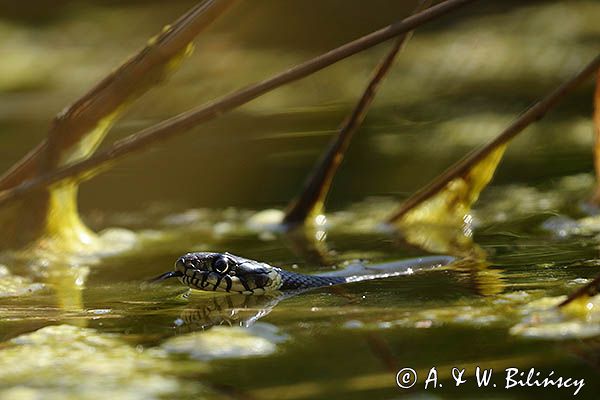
[442,223]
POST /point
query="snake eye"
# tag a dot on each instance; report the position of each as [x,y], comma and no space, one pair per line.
[221,265]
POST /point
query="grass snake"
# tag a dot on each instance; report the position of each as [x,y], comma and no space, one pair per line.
[226,272]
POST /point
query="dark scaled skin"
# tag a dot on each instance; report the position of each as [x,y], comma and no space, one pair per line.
[292,281]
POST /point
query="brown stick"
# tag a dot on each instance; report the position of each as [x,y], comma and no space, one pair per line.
[462,167]
[189,119]
[596,198]
[133,77]
[590,289]
[318,183]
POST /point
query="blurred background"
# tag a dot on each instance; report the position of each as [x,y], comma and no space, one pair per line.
[458,83]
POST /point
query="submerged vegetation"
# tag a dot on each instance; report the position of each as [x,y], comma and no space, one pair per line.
[74,300]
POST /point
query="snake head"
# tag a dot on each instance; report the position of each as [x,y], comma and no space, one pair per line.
[226,272]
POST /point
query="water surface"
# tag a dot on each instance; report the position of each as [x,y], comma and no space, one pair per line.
[89,326]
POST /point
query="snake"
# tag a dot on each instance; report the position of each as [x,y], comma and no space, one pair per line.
[225,272]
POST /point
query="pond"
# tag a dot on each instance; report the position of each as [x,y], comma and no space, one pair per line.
[87,325]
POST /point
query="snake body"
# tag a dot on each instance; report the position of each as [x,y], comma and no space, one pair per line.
[230,273]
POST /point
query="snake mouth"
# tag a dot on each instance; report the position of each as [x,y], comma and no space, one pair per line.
[206,280]
[199,274]
[213,281]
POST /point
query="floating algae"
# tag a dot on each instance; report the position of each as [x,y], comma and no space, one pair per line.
[67,362]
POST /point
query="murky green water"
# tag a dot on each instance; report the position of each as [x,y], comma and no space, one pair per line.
[88,326]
